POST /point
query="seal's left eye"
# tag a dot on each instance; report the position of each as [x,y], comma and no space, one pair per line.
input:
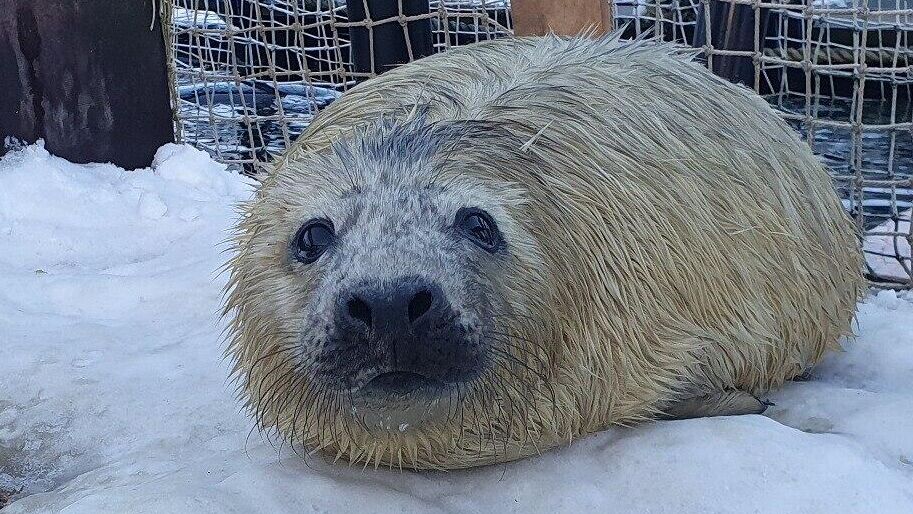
[313,238]
[480,227]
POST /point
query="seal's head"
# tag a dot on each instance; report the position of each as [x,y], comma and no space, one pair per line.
[378,283]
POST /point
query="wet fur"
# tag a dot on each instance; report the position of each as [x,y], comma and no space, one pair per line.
[668,236]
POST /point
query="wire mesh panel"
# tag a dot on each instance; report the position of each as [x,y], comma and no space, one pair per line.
[840,72]
[250,75]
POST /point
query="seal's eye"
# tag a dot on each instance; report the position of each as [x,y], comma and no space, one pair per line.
[480,227]
[313,238]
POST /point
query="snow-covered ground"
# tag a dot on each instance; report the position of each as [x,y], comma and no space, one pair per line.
[114,398]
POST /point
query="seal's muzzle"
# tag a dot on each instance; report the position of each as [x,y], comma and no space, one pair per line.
[398,346]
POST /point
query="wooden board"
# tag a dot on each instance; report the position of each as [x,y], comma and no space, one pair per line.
[564,17]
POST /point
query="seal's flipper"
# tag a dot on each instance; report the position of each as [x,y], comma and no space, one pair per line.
[724,403]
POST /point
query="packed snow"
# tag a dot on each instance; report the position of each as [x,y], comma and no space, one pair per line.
[887,244]
[114,394]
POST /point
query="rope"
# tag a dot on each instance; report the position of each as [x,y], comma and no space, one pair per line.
[841,55]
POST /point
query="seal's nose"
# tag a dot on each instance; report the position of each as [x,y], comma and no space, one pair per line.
[392,309]
[406,326]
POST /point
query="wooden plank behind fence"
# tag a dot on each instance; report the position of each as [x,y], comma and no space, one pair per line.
[87,76]
[564,17]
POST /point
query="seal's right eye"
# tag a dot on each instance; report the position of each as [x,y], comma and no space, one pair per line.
[313,238]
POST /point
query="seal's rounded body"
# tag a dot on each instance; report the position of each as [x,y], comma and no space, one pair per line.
[494,250]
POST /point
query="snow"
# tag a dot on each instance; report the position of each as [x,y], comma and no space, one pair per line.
[832,4]
[197,18]
[886,244]
[114,397]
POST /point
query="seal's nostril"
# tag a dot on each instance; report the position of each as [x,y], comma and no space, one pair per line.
[360,310]
[420,304]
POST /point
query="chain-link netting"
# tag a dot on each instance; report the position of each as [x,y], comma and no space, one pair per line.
[250,74]
[840,72]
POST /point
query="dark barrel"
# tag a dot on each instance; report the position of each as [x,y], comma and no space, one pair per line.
[390,43]
[732,28]
[87,76]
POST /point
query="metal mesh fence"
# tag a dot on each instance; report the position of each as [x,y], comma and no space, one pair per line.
[250,74]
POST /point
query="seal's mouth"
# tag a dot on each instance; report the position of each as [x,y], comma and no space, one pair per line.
[399,384]
[398,401]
